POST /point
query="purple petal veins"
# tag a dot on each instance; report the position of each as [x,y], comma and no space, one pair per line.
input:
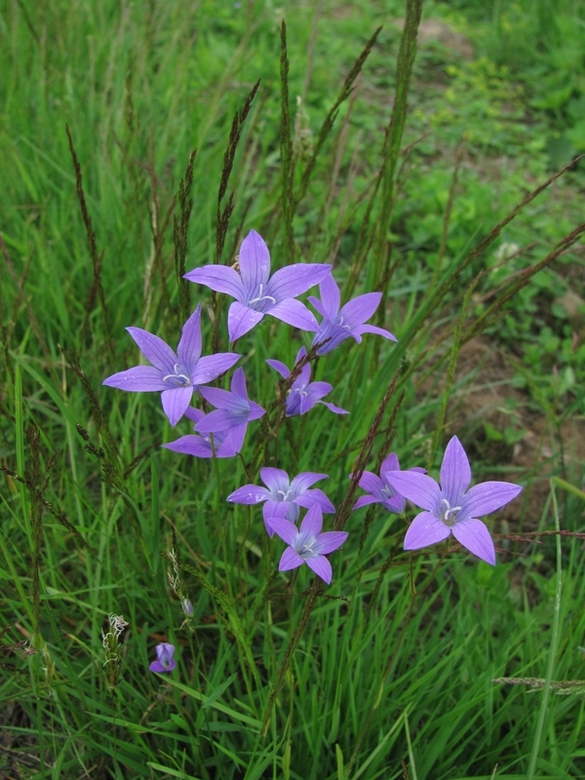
[340,324]
[175,376]
[452,508]
[379,488]
[282,496]
[256,293]
[307,544]
[304,394]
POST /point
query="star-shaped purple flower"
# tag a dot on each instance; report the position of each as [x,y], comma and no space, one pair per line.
[201,446]
[452,507]
[307,544]
[283,496]
[164,658]
[380,490]
[304,394]
[234,411]
[175,376]
[339,324]
[256,294]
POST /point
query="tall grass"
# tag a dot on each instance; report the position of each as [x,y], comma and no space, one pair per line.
[387,673]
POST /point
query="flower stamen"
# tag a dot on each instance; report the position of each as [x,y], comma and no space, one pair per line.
[450,512]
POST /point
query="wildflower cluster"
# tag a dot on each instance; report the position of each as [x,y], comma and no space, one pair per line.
[450,507]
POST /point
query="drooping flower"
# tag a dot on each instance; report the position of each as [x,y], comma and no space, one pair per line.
[256,293]
[200,446]
[304,394]
[452,507]
[283,497]
[234,411]
[339,324]
[380,490]
[175,376]
[164,658]
[307,544]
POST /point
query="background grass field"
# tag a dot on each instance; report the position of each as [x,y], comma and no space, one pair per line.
[393,674]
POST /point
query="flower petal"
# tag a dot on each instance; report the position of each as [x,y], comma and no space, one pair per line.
[191,445]
[226,449]
[249,494]
[364,501]
[316,496]
[330,541]
[155,350]
[424,530]
[140,379]
[293,280]
[274,509]
[241,319]
[333,408]
[280,367]
[474,535]
[395,504]
[318,390]
[321,567]
[221,399]
[333,333]
[211,366]
[175,401]
[287,531]
[418,488]
[361,329]
[306,403]
[455,475]
[220,278]
[239,384]
[254,260]
[294,313]
[235,437]
[194,414]
[330,298]
[313,521]
[390,463]
[256,411]
[217,421]
[317,304]
[289,560]
[372,483]
[189,349]
[487,497]
[360,309]
[305,480]
[275,479]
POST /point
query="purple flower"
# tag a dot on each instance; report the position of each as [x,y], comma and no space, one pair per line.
[303,394]
[233,413]
[164,658]
[283,497]
[380,490]
[176,376]
[339,324]
[200,446]
[452,507]
[308,545]
[256,294]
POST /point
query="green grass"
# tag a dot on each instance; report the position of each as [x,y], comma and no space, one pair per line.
[396,659]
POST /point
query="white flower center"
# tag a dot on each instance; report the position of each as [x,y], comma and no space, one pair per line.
[178,378]
[282,496]
[262,297]
[449,512]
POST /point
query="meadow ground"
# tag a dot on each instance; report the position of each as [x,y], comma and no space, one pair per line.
[418,177]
